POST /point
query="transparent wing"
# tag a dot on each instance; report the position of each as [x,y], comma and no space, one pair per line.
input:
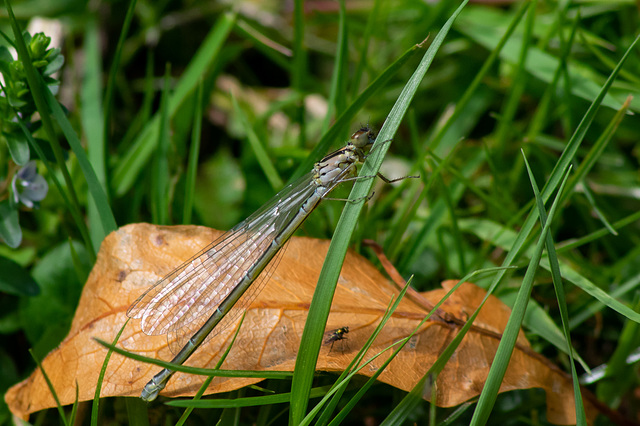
[180,333]
[181,302]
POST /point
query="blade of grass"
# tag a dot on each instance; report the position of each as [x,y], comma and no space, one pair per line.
[437,210]
[245,402]
[510,107]
[275,51]
[455,229]
[617,225]
[510,335]
[96,399]
[144,115]
[596,306]
[540,64]
[538,321]
[299,65]
[419,387]
[74,408]
[323,295]
[137,412]
[411,200]
[260,152]
[542,112]
[160,170]
[95,189]
[621,375]
[581,418]
[194,370]
[205,385]
[372,20]
[51,388]
[596,151]
[589,195]
[338,90]
[194,152]
[505,238]
[91,115]
[113,70]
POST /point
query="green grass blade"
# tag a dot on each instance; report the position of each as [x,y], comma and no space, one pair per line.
[510,335]
[245,402]
[410,402]
[620,373]
[160,171]
[96,399]
[484,25]
[51,388]
[271,374]
[137,412]
[596,306]
[372,20]
[299,65]
[598,148]
[321,302]
[258,149]
[506,239]
[205,385]
[337,98]
[194,152]
[115,68]
[354,366]
[93,121]
[581,418]
[543,110]
[510,107]
[95,189]
[275,51]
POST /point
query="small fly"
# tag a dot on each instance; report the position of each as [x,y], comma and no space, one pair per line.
[335,335]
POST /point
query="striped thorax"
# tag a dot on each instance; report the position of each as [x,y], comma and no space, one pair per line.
[331,168]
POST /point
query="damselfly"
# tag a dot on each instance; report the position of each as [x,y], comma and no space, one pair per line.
[335,335]
[193,299]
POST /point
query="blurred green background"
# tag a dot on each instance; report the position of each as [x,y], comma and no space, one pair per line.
[267,80]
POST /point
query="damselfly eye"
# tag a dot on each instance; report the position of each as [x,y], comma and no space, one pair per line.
[363,137]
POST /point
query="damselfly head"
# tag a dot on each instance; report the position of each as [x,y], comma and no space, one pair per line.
[363,137]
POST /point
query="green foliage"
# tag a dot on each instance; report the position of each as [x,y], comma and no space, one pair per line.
[17,96]
[175,111]
[16,101]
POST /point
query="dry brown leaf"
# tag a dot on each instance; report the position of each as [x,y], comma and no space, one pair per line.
[136,256]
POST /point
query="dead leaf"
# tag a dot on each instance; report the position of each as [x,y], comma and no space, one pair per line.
[136,256]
